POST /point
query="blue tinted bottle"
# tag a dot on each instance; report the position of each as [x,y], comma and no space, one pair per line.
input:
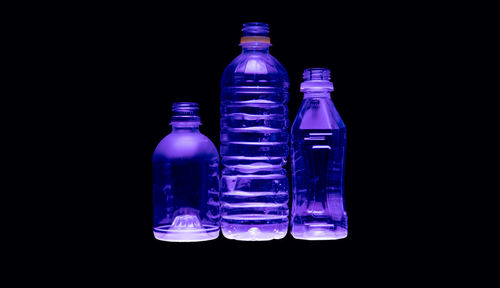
[318,154]
[254,141]
[185,181]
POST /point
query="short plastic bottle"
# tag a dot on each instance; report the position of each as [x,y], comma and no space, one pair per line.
[318,156]
[185,181]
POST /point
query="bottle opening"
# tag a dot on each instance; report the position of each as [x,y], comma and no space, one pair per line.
[316,79]
[255,32]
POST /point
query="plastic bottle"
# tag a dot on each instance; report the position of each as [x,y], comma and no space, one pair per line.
[318,151]
[185,181]
[254,141]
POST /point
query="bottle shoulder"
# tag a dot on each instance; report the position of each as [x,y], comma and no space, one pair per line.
[248,66]
[317,114]
[185,145]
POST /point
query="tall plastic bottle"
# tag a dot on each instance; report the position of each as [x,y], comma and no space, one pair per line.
[254,141]
[318,151]
[185,181]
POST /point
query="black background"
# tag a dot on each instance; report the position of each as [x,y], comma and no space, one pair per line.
[138,61]
[96,83]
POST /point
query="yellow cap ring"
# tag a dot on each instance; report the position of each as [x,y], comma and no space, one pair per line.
[260,39]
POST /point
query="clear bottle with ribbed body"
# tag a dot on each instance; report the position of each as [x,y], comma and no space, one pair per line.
[318,151]
[185,181]
[254,141]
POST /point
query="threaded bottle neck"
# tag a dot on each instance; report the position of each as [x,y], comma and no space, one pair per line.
[316,74]
[317,81]
[185,114]
[255,36]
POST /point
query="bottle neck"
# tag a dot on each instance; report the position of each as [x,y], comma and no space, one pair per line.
[316,83]
[255,48]
[317,94]
[255,38]
[185,127]
[185,117]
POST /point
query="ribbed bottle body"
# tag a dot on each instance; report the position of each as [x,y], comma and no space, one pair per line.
[254,147]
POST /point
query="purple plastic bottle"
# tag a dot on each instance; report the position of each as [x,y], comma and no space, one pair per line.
[318,151]
[185,181]
[254,141]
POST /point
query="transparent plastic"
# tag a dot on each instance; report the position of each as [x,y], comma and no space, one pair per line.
[318,152]
[254,141]
[185,181]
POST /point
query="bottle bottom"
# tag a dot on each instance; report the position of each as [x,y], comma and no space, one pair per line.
[318,232]
[254,228]
[186,228]
[164,233]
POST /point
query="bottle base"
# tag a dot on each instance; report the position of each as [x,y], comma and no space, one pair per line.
[260,232]
[165,233]
[304,232]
